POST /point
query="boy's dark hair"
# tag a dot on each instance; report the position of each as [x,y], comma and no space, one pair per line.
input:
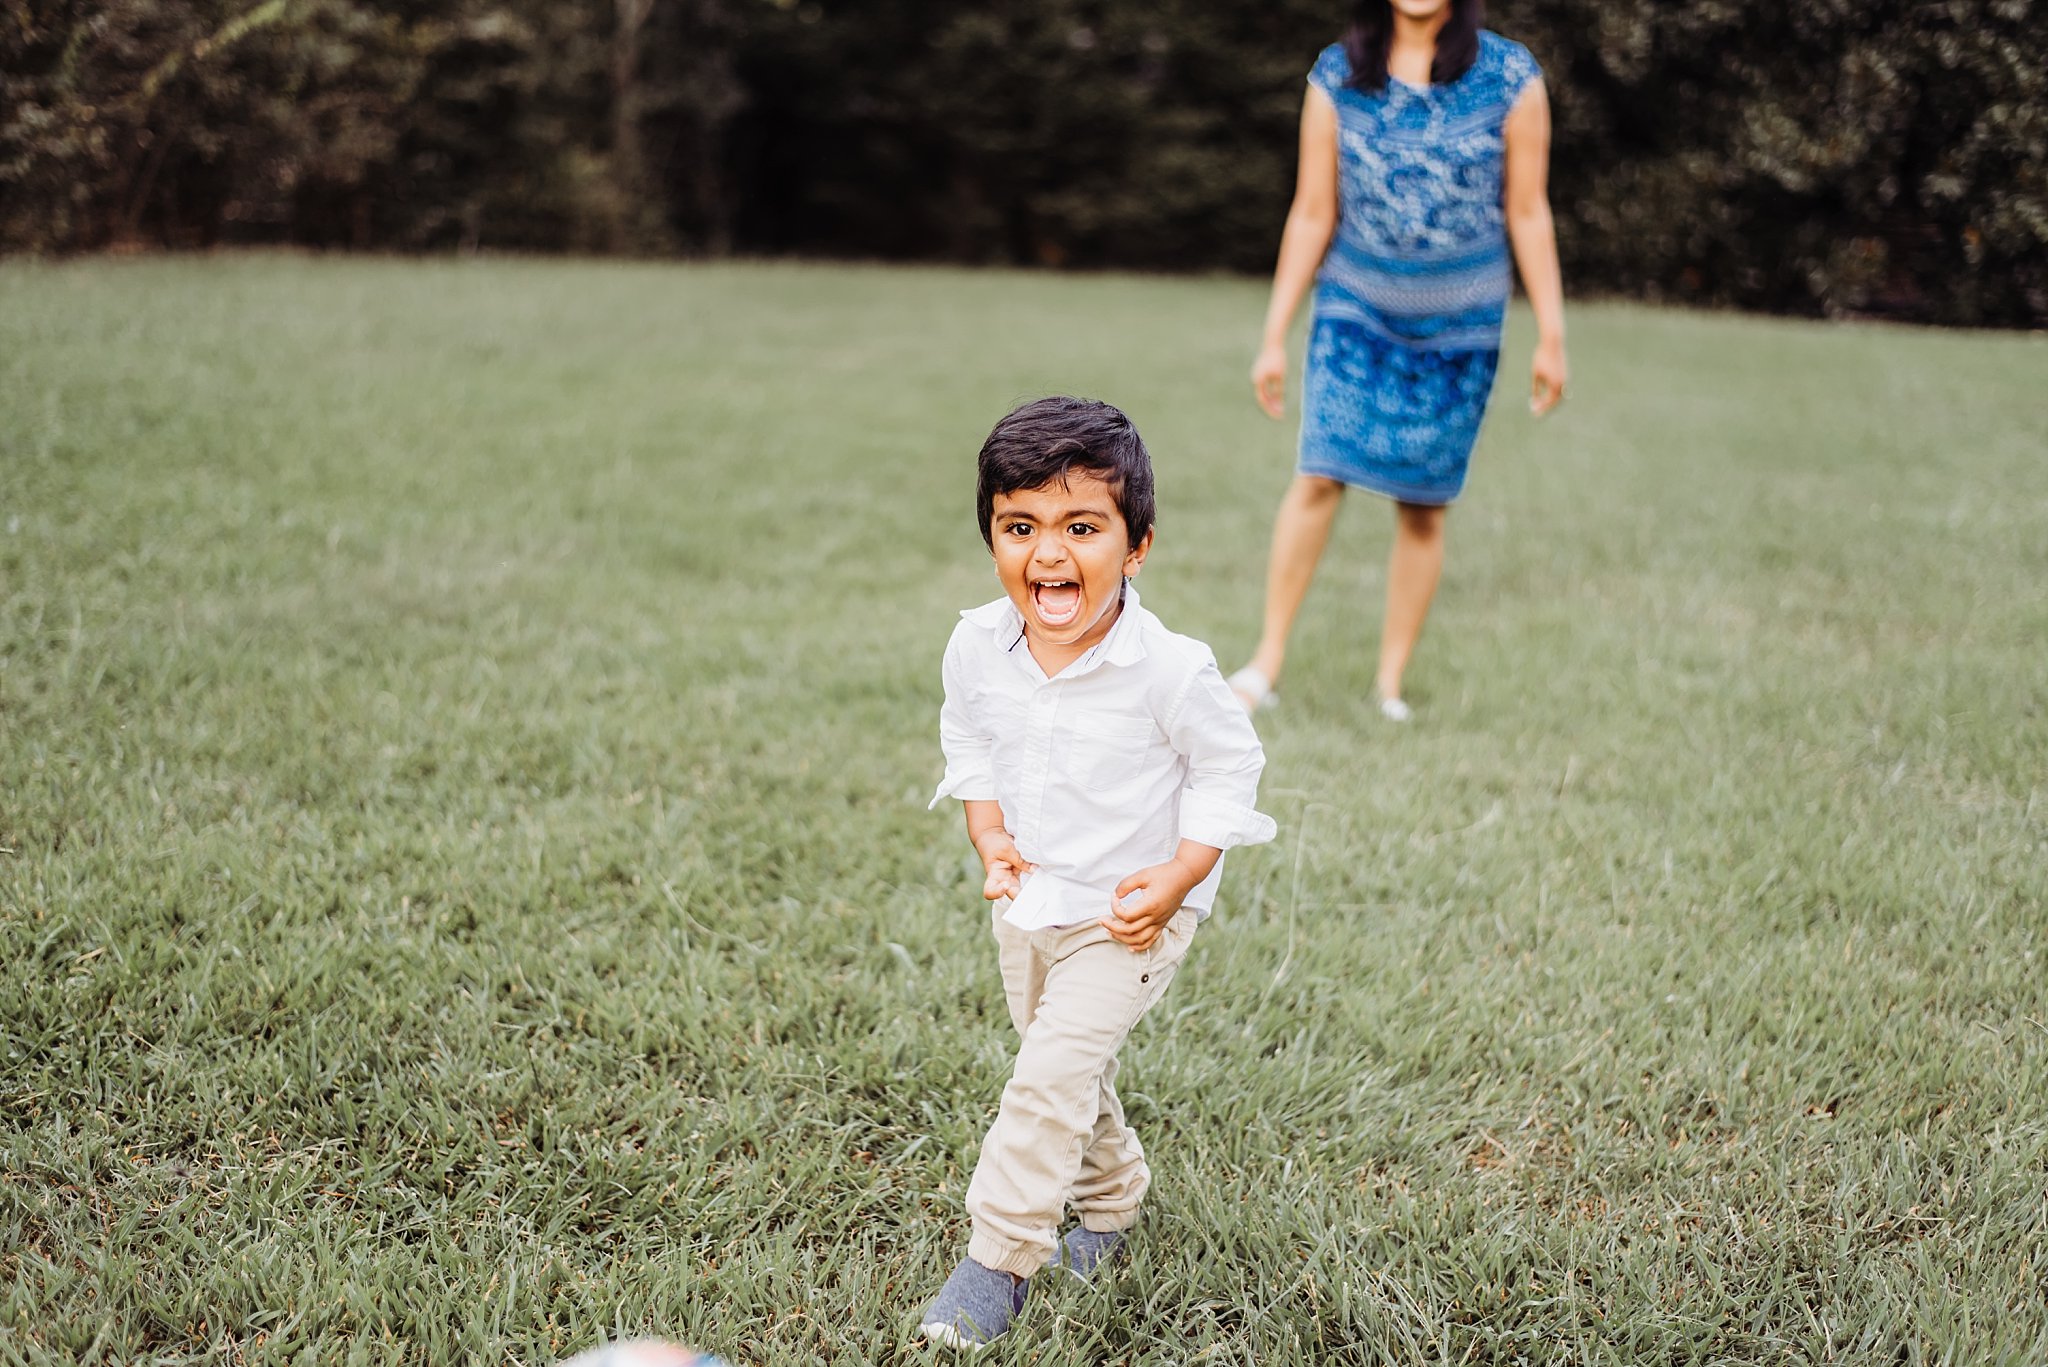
[1372,32]
[1037,443]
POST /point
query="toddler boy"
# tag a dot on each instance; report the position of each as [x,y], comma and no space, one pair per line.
[1105,766]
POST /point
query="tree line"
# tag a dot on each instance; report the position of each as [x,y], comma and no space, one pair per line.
[1840,157]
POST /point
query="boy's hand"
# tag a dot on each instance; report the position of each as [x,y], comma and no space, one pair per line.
[1147,900]
[1006,868]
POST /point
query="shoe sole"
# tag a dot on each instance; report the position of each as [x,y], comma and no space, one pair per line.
[947,1336]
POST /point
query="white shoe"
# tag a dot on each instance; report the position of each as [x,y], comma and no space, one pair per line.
[1393,709]
[1253,689]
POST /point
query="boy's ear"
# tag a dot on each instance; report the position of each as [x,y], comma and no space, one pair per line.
[1135,558]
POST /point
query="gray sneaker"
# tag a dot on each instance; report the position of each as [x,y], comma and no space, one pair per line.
[1083,1250]
[975,1307]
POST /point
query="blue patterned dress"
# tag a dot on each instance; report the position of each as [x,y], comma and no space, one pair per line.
[1405,336]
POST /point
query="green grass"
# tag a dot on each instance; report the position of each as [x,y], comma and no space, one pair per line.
[466,890]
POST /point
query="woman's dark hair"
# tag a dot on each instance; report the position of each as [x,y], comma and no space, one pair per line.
[1038,443]
[1372,33]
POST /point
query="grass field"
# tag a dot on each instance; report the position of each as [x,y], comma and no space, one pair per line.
[466,888]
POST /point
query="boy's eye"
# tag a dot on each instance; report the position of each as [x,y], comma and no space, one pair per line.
[1018,529]
[1081,529]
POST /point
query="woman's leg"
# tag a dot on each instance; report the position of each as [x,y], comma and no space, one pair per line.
[1300,531]
[1413,569]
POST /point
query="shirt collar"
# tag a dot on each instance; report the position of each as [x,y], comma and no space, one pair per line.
[1125,644]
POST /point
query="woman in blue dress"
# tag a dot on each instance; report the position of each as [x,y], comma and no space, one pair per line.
[1425,149]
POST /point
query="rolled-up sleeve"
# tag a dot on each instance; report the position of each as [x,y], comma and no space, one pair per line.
[1225,759]
[970,770]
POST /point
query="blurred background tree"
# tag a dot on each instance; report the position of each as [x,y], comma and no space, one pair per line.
[1841,157]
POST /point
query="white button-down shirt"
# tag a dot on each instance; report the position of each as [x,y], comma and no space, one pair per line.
[1104,768]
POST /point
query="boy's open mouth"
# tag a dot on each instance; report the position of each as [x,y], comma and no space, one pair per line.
[1058,601]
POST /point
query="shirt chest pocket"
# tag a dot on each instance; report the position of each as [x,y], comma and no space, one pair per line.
[1104,752]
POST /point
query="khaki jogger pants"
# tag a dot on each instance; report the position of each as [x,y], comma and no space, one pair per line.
[1060,1137]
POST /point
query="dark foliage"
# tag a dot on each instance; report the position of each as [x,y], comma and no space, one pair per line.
[1840,156]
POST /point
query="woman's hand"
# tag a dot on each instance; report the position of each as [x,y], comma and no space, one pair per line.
[1269,378]
[1547,372]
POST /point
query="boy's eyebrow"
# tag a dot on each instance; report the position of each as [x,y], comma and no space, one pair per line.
[1018,515]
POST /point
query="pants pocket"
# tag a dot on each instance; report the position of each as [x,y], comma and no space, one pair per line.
[1173,942]
[1162,960]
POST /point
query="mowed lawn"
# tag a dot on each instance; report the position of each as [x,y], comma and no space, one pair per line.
[466,888]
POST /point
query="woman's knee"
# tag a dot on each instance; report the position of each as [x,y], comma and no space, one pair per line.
[1318,490]
[1423,521]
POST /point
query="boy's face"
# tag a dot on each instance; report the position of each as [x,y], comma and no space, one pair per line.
[1062,551]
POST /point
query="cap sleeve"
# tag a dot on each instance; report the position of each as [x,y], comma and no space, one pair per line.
[1332,71]
[1518,69]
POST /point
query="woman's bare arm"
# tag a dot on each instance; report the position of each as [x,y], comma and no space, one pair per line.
[1311,221]
[1534,237]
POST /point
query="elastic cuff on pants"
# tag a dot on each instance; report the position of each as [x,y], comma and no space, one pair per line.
[1108,1221]
[1018,1262]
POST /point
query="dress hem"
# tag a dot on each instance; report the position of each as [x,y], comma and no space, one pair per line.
[1385,488]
